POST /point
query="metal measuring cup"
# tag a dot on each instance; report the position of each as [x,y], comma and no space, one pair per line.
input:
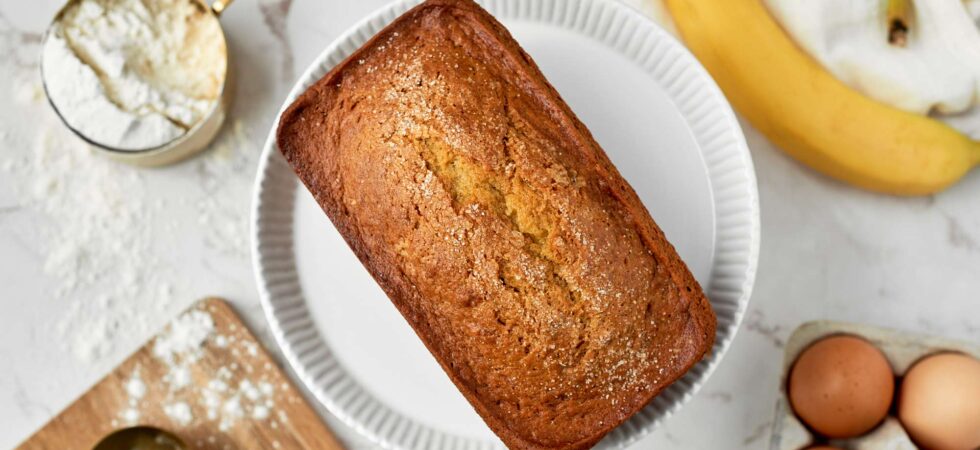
[191,142]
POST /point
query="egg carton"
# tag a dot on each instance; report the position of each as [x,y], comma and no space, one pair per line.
[902,351]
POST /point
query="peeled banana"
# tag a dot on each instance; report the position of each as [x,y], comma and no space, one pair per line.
[817,119]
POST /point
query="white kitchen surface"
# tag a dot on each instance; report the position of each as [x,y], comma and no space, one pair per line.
[95,256]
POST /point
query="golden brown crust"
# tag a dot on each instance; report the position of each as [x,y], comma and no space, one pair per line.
[498,227]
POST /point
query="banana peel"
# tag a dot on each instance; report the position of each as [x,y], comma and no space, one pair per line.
[811,115]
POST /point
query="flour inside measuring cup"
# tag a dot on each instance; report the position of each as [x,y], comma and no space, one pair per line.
[134,75]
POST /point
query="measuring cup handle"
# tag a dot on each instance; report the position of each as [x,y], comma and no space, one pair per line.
[218,6]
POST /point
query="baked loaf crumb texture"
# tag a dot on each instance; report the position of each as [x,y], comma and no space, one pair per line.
[498,227]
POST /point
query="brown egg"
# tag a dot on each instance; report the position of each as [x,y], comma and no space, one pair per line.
[822,447]
[841,386]
[939,403]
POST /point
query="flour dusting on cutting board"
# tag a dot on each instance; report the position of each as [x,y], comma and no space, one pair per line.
[185,338]
[234,392]
[135,390]
[233,399]
[225,398]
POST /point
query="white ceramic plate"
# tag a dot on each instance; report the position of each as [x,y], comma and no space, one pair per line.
[662,121]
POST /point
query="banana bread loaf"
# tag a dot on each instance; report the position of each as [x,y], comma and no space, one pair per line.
[498,227]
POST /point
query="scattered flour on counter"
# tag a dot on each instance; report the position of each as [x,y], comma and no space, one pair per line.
[110,237]
[103,223]
[225,220]
[96,244]
[119,246]
[27,91]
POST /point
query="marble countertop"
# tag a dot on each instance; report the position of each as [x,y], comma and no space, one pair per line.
[828,251]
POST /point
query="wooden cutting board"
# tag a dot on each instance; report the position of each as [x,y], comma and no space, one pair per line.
[204,378]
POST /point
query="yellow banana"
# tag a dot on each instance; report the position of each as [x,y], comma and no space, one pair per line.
[814,117]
